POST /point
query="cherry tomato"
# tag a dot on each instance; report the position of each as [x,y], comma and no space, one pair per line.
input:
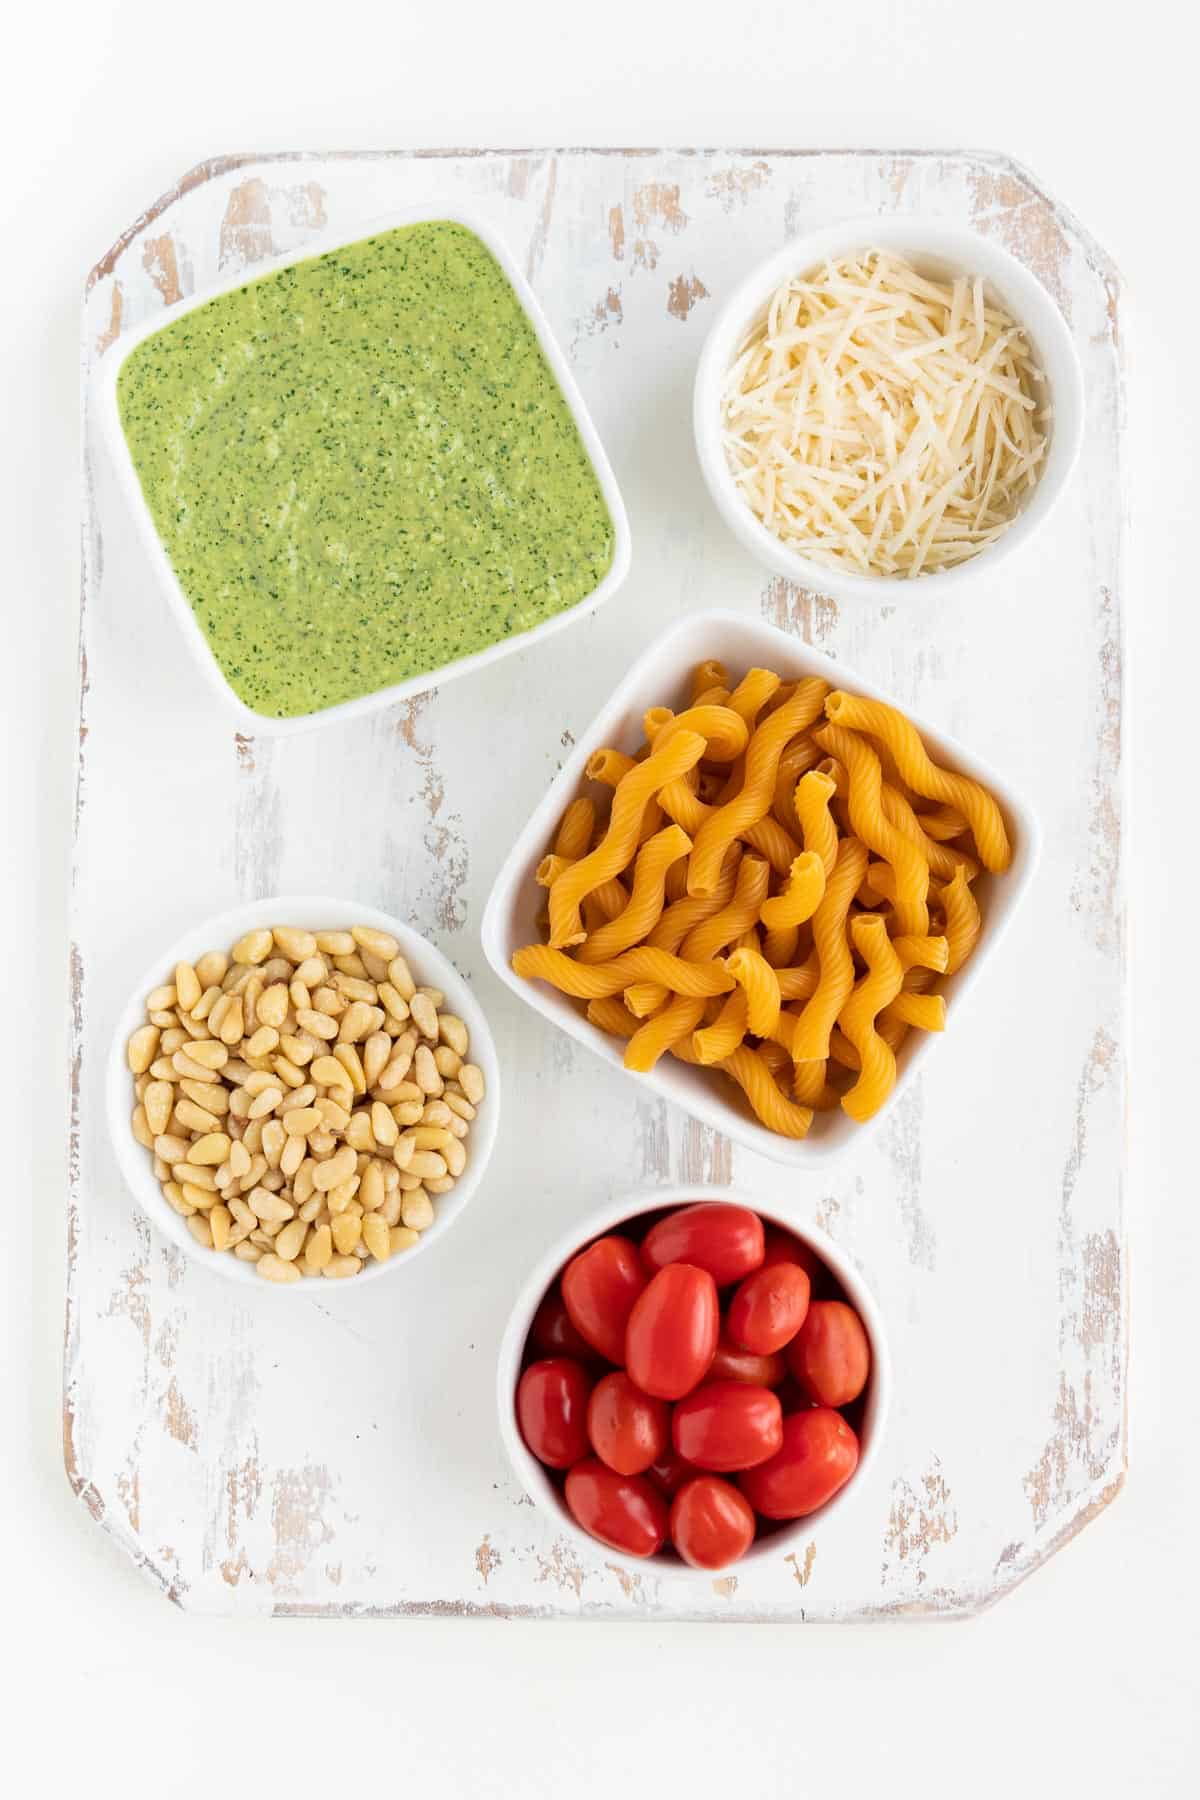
[732,1363]
[830,1355]
[726,1240]
[711,1523]
[782,1247]
[670,1472]
[728,1425]
[552,1398]
[552,1333]
[768,1308]
[626,1512]
[672,1331]
[599,1287]
[818,1455]
[629,1430]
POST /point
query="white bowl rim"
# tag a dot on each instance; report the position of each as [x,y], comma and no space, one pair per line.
[703,1099]
[314,912]
[618,1210]
[104,386]
[921,236]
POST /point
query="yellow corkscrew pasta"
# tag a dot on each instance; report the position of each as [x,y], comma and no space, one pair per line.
[711,916]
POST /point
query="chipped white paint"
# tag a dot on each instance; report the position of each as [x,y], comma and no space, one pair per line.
[343,1457]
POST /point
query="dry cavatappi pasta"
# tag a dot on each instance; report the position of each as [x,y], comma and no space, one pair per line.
[303,1099]
[779,879]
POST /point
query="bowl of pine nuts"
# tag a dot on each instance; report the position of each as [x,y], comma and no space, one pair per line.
[314,1098]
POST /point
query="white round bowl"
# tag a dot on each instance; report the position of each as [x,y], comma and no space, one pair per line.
[315,913]
[940,251]
[534,1478]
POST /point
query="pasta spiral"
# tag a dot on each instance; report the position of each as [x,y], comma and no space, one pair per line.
[677,1020]
[879,986]
[633,793]
[924,776]
[761,986]
[836,979]
[645,901]
[753,1075]
[753,801]
[574,836]
[869,823]
[540,962]
[715,1042]
[707,939]
[813,793]
[802,896]
[724,731]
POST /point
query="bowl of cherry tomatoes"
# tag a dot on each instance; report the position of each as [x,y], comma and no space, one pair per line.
[691,1380]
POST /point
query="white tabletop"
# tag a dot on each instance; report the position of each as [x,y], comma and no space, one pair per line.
[1083,1680]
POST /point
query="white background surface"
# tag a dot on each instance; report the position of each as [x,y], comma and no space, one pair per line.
[1084,1681]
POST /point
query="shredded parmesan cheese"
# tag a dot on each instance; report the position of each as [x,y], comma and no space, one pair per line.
[882,423]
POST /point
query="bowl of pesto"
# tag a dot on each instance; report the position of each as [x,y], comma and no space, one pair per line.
[363,471]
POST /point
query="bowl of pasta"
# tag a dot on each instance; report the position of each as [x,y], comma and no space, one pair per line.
[760,888]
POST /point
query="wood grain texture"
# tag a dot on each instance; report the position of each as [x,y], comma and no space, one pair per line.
[342,1457]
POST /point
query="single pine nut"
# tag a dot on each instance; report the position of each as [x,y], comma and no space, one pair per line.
[355,989]
[287,1071]
[423,1163]
[302,1182]
[376,1237]
[383,1125]
[206,1002]
[371,1190]
[171,1149]
[272,1005]
[301,1120]
[195,1029]
[161,999]
[197,1224]
[265,1039]
[255,947]
[291,1156]
[425,1071]
[389,1212]
[197,1173]
[290,1240]
[447,1062]
[245,1215]
[254,1174]
[329,1072]
[346,1231]
[424,1015]
[187,986]
[265,1103]
[310,1208]
[335,943]
[313,972]
[471,1081]
[340,1267]
[211,967]
[276,1269]
[251,1135]
[403,1237]
[397,1070]
[274,1181]
[183,1064]
[239,1159]
[339,1168]
[327,1000]
[299,1099]
[319,1248]
[269,1208]
[232,1026]
[416,1210]
[157,1104]
[357,1020]
[173,1039]
[175,1199]
[211,1149]
[298,1050]
[295,943]
[440,1185]
[165,1018]
[274,1137]
[142,1048]
[340,1199]
[404,1151]
[376,943]
[358,1132]
[348,1056]
[393,1002]
[320,1025]
[220,1223]
[453,1032]
[248,1253]
[400,977]
[212,1096]
[376,1054]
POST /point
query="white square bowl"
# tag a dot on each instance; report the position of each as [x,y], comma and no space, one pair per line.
[659,677]
[105,396]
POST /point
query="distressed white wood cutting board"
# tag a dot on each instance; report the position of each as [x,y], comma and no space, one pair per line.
[341,1456]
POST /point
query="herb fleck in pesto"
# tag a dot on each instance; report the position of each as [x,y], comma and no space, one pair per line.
[363,468]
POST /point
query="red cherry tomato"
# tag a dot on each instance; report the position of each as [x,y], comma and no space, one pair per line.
[768,1308]
[626,1512]
[727,1425]
[726,1240]
[782,1247]
[552,1333]
[629,1430]
[711,1523]
[830,1356]
[670,1472]
[552,1398]
[818,1455]
[599,1287]
[732,1363]
[672,1331]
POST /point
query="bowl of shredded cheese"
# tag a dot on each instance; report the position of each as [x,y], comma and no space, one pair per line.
[884,401]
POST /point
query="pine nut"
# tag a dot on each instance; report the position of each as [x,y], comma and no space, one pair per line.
[378,943]
[359,1133]
[371,1190]
[409,1112]
[265,1039]
[302,1181]
[389,1212]
[174,1198]
[269,1207]
[320,1025]
[220,1223]
[205,1003]
[447,1062]
[416,1210]
[336,1117]
[376,1237]
[213,1097]
[232,1026]
[290,1240]
[339,1168]
[197,1224]
[173,1039]
[294,943]
[301,1120]
[200,1198]
[211,1149]
[423,1163]
[211,967]
[355,989]
[208,1053]
[276,1269]
[273,1139]
[357,1020]
[472,1083]
[195,1029]
[404,1151]
[402,1237]
[187,986]
[313,971]
[142,1048]
[272,1006]
[335,943]
[439,1185]
[327,1000]
[254,1174]
[329,1072]
[265,1103]
[298,1050]
[319,1248]
[310,1208]
[384,1127]
[351,965]
[255,947]
[183,1064]
[248,1253]
[346,1231]
[299,1100]
[171,1149]
[157,1104]
[425,1071]
[376,1054]
[291,1156]
[393,1002]
[340,1267]
[424,1015]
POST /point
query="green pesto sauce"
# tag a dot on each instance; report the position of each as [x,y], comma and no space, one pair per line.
[363,468]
